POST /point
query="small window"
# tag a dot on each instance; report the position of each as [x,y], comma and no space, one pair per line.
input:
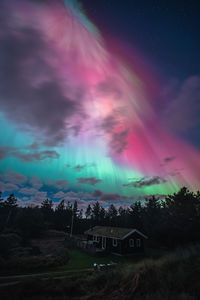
[131,242]
[138,243]
[114,242]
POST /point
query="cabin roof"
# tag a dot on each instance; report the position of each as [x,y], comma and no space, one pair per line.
[113,232]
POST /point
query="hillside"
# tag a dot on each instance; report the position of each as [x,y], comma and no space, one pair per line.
[175,276]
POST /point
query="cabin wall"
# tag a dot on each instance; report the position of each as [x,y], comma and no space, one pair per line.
[126,248]
[114,249]
[123,246]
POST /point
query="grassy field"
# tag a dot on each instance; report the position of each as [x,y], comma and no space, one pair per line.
[81,260]
[173,277]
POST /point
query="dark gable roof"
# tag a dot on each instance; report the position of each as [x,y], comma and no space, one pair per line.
[113,232]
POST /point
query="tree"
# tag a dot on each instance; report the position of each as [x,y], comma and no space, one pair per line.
[96,211]
[61,206]
[136,214]
[11,202]
[47,205]
[47,211]
[75,208]
[63,215]
[3,214]
[1,201]
[88,212]
[182,210]
[30,222]
[182,204]
[112,211]
[102,214]
[80,215]
[10,206]
[112,214]
[121,212]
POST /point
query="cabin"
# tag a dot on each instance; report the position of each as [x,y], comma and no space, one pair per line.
[117,240]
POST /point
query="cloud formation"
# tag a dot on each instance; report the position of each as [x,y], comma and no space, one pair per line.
[182,114]
[119,141]
[14,177]
[146,181]
[88,180]
[79,168]
[61,184]
[30,156]
[169,159]
[35,156]
[28,191]
[110,196]
[32,95]
[5,187]
[35,182]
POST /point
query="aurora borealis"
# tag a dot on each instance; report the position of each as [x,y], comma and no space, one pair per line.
[81,119]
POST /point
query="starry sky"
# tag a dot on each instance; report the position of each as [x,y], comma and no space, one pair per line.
[100,100]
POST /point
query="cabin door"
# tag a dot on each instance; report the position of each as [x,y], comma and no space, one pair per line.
[103,242]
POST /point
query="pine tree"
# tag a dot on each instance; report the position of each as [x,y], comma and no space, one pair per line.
[88,212]
[11,202]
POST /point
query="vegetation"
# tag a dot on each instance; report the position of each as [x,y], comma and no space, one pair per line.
[174,277]
[170,222]
[80,260]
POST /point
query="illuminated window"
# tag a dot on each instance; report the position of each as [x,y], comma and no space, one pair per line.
[131,242]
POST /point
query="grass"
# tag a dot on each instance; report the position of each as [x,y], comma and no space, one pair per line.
[173,277]
[80,260]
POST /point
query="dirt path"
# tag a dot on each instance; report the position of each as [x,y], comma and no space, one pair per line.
[15,279]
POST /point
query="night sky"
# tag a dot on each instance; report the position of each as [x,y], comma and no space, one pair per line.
[100,100]
[165,32]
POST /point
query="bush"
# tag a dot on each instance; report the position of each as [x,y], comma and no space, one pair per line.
[8,242]
[33,263]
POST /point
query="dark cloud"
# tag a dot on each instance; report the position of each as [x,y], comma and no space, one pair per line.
[35,182]
[59,194]
[119,141]
[33,146]
[27,156]
[31,94]
[146,181]
[38,198]
[14,177]
[109,123]
[61,184]
[175,172]
[169,159]
[76,129]
[8,187]
[109,87]
[146,197]
[182,113]
[28,191]
[88,180]
[36,156]
[109,196]
[79,167]
[97,193]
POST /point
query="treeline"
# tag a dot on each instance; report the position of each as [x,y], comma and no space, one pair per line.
[169,222]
